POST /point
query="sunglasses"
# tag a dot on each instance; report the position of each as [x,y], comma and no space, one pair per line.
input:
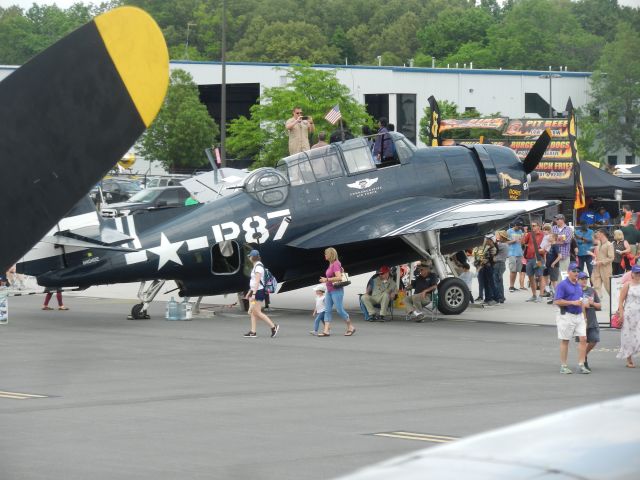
[575,270]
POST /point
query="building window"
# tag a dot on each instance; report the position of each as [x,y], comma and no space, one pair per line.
[406,115]
[612,159]
[629,159]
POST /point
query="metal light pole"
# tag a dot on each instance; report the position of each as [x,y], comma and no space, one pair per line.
[550,76]
[223,88]
[186,45]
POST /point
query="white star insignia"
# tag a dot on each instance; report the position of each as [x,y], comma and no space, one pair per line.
[167,251]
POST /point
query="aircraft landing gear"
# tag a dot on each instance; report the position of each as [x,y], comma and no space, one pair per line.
[139,311]
[453,294]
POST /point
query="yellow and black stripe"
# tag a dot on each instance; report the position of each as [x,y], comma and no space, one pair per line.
[69,114]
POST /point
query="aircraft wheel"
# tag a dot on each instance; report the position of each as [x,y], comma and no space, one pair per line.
[137,313]
[453,296]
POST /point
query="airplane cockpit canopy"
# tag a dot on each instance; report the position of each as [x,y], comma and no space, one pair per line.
[268,186]
[350,157]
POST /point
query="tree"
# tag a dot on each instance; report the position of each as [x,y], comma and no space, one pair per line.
[616,91]
[447,110]
[263,135]
[182,129]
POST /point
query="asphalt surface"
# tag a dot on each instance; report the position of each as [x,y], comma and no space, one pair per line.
[161,399]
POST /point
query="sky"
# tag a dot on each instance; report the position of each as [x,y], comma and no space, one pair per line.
[67,3]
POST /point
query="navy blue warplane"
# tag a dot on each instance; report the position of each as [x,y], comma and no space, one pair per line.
[426,203]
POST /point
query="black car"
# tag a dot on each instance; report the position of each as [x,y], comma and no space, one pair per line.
[148,199]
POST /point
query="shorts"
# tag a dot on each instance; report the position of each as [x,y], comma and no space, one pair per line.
[532,269]
[554,273]
[514,264]
[260,295]
[571,325]
[593,335]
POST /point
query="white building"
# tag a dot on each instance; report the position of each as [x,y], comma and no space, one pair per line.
[400,93]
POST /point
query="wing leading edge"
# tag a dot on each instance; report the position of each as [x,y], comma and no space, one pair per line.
[415,215]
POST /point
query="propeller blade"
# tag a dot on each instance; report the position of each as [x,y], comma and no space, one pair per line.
[537,151]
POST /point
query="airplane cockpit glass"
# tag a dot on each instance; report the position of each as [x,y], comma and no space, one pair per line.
[357,155]
[405,152]
[268,186]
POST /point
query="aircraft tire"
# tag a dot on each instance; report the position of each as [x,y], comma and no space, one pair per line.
[453,296]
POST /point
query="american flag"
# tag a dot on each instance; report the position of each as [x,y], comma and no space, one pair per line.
[334,115]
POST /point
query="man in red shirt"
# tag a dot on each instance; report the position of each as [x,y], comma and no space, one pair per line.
[535,261]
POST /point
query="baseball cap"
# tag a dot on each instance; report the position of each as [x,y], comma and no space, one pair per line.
[254,253]
[321,287]
[635,269]
[582,275]
[558,216]
[384,269]
[519,223]
[572,266]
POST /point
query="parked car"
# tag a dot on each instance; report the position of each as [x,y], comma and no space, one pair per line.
[115,190]
[148,199]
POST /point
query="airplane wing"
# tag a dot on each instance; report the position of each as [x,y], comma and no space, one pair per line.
[69,114]
[414,215]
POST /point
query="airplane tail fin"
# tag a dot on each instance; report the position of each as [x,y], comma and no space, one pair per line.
[82,230]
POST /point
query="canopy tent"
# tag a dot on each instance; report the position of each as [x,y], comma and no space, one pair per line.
[597,184]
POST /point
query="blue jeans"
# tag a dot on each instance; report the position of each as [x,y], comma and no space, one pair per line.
[316,322]
[481,285]
[585,260]
[335,297]
[489,283]
[498,272]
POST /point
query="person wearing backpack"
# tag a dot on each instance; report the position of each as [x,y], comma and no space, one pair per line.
[256,296]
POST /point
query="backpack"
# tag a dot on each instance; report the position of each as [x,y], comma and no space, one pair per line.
[269,282]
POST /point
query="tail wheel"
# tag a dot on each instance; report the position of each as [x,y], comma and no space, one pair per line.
[137,312]
[453,296]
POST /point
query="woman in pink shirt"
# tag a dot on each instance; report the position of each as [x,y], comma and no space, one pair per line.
[335,295]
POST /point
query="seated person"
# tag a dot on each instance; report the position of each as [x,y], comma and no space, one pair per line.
[425,282]
[603,217]
[381,292]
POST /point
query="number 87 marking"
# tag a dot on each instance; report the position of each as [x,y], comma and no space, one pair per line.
[259,233]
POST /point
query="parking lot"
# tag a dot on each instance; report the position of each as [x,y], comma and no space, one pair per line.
[114,398]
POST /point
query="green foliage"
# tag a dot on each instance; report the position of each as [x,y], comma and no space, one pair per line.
[182,129]
[263,135]
[616,90]
[590,148]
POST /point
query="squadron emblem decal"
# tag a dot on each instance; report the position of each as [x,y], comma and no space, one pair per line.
[363,184]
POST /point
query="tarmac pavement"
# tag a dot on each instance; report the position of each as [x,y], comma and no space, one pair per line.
[159,399]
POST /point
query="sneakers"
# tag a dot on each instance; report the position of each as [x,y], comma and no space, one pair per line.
[373,318]
[512,289]
[490,303]
[314,333]
[532,299]
[479,299]
[250,335]
[274,330]
[565,369]
[538,300]
[583,369]
[546,294]
[586,364]
[550,302]
[417,316]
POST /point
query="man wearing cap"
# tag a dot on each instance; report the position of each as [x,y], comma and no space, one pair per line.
[424,283]
[382,291]
[591,303]
[514,255]
[564,237]
[570,320]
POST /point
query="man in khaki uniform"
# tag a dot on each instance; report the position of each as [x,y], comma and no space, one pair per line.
[299,127]
[382,291]
[603,257]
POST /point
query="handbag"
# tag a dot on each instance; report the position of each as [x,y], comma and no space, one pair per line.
[615,321]
[344,282]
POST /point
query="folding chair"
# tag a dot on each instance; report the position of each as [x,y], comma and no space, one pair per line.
[377,305]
